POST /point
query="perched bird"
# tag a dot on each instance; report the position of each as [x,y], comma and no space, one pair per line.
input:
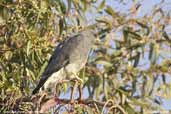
[68,59]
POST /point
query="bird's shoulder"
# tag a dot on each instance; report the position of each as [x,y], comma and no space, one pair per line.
[60,56]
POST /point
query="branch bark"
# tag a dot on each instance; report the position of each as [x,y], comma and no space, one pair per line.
[55,101]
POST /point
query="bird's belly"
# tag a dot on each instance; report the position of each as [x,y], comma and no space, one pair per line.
[67,73]
[72,70]
[55,78]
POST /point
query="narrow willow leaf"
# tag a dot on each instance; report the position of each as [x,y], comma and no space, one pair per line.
[165,35]
[65,87]
[88,111]
[135,35]
[69,5]
[144,26]
[125,35]
[141,103]
[155,54]
[98,91]
[102,5]
[105,63]
[1,84]
[151,51]
[110,11]
[38,57]
[120,90]
[105,21]
[137,58]
[62,6]
[8,55]
[164,78]
[148,85]
[43,68]
[31,74]
[84,5]
[43,6]
[117,54]
[28,47]
[129,109]
[61,26]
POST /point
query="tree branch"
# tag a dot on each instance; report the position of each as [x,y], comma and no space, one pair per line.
[55,101]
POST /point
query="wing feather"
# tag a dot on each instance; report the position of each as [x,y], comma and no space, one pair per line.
[56,62]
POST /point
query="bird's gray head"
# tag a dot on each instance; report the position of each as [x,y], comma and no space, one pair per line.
[89,34]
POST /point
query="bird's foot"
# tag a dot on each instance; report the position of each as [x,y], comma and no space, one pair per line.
[43,94]
[63,81]
[78,79]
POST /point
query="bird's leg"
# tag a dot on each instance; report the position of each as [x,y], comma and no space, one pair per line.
[76,80]
[80,92]
[43,94]
[73,90]
[80,88]
[54,90]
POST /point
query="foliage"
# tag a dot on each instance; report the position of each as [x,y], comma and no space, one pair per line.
[128,71]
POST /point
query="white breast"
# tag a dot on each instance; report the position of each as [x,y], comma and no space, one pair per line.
[55,78]
[67,73]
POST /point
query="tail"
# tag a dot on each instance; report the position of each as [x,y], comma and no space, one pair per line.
[40,84]
[36,90]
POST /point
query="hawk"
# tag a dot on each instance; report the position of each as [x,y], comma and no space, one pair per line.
[68,59]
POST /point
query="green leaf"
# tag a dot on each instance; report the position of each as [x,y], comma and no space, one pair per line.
[105,21]
[105,63]
[137,58]
[61,26]
[110,11]
[29,45]
[65,87]
[43,68]
[43,6]
[8,55]
[62,6]
[165,35]
[129,109]
[102,5]
[140,102]
[144,26]
[151,50]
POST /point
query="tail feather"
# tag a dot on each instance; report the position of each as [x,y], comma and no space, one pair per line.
[40,84]
[36,90]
